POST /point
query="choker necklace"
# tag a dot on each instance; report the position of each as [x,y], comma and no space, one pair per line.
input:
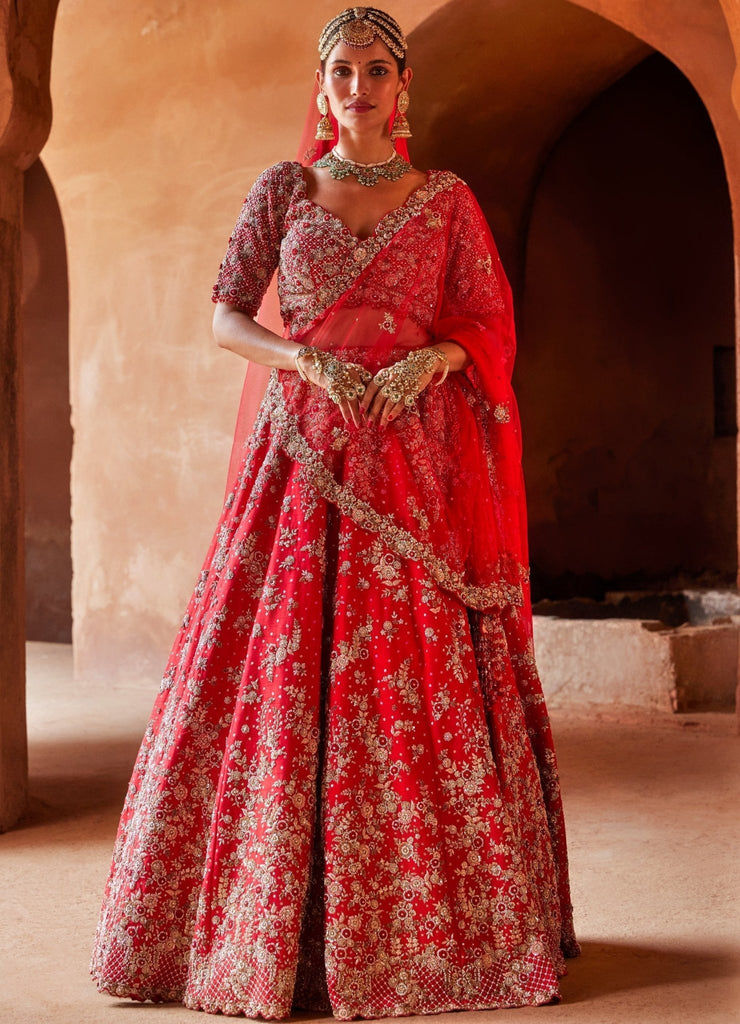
[367,174]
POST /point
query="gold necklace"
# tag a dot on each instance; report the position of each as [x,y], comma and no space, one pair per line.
[367,174]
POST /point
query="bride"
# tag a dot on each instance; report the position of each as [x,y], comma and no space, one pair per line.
[347,796]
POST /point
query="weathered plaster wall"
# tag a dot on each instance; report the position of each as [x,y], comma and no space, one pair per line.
[164,114]
[731,11]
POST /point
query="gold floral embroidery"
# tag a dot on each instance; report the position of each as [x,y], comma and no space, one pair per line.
[418,513]
[501,413]
[388,323]
[387,570]
[303,298]
[485,264]
[339,439]
[498,594]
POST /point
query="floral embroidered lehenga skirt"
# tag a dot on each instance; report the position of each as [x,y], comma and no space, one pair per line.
[342,798]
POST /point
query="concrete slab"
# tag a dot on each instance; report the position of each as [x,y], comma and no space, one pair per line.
[620,661]
[638,662]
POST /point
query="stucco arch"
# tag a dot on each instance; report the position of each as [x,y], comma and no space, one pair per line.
[496,85]
[626,343]
[702,38]
[518,76]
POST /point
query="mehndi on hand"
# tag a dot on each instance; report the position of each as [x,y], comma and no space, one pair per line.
[342,378]
[400,382]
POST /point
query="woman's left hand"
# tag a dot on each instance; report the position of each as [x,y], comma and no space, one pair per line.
[377,407]
[395,388]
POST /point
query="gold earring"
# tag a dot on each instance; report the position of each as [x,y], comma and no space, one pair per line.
[401,129]
[324,129]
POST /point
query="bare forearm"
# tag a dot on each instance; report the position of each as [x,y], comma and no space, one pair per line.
[455,353]
[238,333]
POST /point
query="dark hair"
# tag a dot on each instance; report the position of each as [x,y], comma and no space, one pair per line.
[360,26]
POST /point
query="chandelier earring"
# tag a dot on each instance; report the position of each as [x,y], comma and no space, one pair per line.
[401,129]
[324,129]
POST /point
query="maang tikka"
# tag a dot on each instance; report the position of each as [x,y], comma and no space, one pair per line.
[324,129]
[401,129]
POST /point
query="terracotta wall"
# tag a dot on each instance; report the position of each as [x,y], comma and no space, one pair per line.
[164,115]
[629,290]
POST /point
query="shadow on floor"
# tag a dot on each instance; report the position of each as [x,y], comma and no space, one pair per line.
[629,750]
[298,1015]
[605,968]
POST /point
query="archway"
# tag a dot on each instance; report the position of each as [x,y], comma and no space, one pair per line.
[531,69]
[627,347]
[46,413]
[495,87]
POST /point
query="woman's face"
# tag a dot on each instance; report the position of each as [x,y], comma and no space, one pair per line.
[362,85]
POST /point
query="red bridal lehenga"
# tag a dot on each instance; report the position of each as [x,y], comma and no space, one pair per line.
[347,796]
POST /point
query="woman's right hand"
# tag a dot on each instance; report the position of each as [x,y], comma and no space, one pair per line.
[395,388]
[344,382]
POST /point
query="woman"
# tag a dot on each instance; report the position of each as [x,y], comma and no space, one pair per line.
[347,795]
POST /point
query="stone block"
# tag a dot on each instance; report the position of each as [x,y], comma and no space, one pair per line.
[638,662]
[603,661]
[705,667]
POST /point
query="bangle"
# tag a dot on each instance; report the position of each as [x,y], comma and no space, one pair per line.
[425,359]
[442,356]
[304,351]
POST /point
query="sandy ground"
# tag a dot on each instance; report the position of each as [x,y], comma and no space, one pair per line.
[652,805]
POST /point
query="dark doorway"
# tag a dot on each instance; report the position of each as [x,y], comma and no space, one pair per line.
[628,298]
[48,430]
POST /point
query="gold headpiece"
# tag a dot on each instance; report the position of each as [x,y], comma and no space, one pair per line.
[359,27]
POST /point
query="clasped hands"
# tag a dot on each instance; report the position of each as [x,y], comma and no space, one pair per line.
[364,398]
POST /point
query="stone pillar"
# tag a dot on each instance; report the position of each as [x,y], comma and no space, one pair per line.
[13,760]
[25,118]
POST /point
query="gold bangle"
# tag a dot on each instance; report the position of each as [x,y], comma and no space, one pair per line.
[442,356]
[303,351]
[424,358]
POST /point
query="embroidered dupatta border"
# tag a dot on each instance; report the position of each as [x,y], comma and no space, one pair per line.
[367,249]
[399,540]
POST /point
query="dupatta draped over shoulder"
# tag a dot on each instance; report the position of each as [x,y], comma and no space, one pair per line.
[429,272]
[347,797]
